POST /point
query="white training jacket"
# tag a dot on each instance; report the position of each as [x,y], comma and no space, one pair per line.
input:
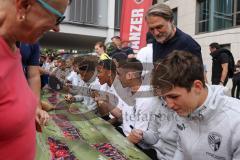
[162,133]
[84,91]
[138,115]
[212,132]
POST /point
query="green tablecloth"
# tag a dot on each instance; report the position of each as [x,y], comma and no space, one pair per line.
[76,133]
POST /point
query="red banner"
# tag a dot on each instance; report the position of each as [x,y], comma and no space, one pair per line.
[133,25]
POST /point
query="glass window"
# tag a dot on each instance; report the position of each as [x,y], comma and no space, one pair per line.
[88,12]
[223,14]
[237,13]
[238,19]
[175,14]
[118,11]
[216,14]
[238,5]
[203,16]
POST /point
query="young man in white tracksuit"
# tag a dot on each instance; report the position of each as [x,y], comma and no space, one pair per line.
[86,67]
[137,105]
[208,121]
[161,133]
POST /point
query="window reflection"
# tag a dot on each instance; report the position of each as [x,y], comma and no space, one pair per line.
[215,15]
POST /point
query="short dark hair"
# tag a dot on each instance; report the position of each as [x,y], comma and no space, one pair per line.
[215,45]
[86,63]
[108,64]
[133,64]
[116,37]
[178,69]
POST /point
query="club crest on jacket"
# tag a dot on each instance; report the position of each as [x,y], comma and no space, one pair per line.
[214,141]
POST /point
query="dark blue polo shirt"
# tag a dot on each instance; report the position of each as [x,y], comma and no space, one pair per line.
[180,41]
[30,54]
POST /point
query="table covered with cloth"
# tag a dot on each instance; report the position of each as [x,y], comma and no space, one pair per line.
[76,133]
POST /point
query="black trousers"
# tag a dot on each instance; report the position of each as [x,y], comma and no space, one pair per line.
[236,85]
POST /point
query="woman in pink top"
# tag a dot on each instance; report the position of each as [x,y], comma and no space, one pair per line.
[25,21]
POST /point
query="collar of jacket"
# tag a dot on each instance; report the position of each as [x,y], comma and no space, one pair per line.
[205,111]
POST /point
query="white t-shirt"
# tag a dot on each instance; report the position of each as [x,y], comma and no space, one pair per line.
[74,78]
[84,92]
[145,56]
[46,66]
[138,115]
[117,93]
[113,92]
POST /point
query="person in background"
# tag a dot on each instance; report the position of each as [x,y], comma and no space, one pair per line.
[167,37]
[126,48]
[86,67]
[112,50]
[62,71]
[100,49]
[30,60]
[42,71]
[220,62]
[73,79]
[236,81]
[25,21]
[203,111]
[145,55]
[205,73]
[117,41]
[106,73]
[140,103]
[47,64]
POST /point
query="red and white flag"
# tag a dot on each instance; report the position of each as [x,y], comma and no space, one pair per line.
[133,25]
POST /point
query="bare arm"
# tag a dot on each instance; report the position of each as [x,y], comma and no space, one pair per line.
[106,107]
[34,81]
[224,72]
[116,112]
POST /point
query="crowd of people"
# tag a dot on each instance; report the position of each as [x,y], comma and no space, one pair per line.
[158,98]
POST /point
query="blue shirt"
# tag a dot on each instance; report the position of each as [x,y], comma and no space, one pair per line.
[180,41]
[30,55]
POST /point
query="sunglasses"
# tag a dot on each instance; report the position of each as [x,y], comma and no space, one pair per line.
[60,16]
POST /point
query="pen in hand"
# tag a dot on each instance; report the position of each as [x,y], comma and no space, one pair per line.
[131,127]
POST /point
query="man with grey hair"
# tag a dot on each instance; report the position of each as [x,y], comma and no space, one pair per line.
[167,36]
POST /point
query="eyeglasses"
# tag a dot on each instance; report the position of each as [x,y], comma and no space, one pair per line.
[60,16]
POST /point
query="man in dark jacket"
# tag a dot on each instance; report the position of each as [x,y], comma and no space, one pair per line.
[219,64]
[167,37]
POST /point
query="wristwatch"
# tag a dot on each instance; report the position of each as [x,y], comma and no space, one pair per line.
[222,82]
